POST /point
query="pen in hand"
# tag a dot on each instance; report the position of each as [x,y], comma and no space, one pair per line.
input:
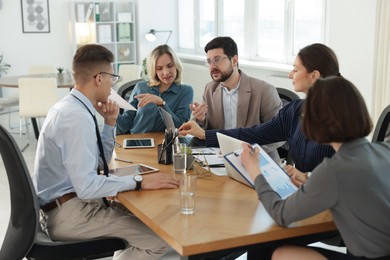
[122,160]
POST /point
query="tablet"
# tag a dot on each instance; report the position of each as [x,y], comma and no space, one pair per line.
[138,143]
[133,169]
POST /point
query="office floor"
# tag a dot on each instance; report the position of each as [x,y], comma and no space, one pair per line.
[29,156]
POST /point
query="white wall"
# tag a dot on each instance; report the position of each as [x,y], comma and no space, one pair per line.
[351,35]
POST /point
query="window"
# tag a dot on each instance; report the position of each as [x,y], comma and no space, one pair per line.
[264,30]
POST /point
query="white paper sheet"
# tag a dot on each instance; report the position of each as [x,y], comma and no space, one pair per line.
[120,101]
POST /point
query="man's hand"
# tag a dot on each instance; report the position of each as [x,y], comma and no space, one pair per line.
[192,128]
[157,181]
[109,111]
[199,111]
[297,177]
[145,99]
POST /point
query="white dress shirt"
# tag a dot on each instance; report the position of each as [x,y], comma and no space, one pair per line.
[230,100]
[68,155]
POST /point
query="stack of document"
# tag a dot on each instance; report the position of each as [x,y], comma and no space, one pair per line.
[211,157]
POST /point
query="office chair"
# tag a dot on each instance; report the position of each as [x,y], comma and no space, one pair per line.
[24,237]
[36,97]
[382,126]
[129,72]
[286,96]
[125,90]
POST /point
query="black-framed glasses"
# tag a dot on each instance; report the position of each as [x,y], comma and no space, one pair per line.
[114,77]
[216,60]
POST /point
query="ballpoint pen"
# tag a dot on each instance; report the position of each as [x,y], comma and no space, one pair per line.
[122,160]
[117,144]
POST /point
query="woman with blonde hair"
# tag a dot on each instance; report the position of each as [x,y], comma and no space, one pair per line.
[164,89]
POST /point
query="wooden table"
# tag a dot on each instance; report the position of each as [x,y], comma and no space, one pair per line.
[63,81]
[228,213]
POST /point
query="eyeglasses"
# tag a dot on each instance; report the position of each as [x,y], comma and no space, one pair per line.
[114,77]
[217,60]
[201,166]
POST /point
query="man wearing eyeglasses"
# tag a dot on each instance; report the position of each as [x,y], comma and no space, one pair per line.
[234,99]
[72,154]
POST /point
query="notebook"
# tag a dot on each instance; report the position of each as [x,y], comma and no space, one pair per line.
[275,176]
[169,124]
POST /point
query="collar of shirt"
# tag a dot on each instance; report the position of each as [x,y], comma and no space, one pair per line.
[84,99]
[174,88]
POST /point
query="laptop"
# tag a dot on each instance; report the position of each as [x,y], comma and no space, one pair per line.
[228,145]
[169,124]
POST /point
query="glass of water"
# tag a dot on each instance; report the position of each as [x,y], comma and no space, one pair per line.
[180,157]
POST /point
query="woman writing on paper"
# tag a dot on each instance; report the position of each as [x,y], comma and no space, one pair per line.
[354,183]
[164,89]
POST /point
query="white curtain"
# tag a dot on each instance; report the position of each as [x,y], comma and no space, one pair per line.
[382,74]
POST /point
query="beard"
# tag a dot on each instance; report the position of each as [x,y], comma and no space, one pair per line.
[224,75]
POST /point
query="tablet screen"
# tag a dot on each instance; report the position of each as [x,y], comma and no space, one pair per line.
[132,170]
[138,143]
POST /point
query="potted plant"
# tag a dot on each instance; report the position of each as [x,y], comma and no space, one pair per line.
[4,67]
[60,70]
[144,72]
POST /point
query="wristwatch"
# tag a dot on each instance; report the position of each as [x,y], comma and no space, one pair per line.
[138,181]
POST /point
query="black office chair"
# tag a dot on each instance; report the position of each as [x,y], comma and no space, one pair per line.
[286,96]
[382,127]
[24,237]
[125,90]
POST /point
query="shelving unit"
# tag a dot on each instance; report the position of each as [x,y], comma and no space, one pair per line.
[108,23]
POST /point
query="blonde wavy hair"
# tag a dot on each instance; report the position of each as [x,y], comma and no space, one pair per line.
[151,64]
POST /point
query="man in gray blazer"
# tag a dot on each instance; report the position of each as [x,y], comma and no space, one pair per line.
[233,99]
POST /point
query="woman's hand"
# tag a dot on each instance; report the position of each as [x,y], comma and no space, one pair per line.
[192,128]
[250,160]
[144,99]
[297,177]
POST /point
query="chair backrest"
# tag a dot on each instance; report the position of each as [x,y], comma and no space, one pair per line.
[22,225]
[286,95]
[41,69]
[382,126]
[129,72]
[125,90]
[37,96]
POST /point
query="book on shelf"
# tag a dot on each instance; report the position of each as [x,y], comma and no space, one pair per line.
[124,32]
[97,12]
[80,13]
[104,31]
[89,12]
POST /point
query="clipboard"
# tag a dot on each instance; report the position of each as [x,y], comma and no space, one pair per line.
[276,177]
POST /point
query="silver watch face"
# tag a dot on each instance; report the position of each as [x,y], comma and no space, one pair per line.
[138,178]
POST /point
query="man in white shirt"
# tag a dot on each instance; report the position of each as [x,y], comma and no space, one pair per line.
[70,192]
